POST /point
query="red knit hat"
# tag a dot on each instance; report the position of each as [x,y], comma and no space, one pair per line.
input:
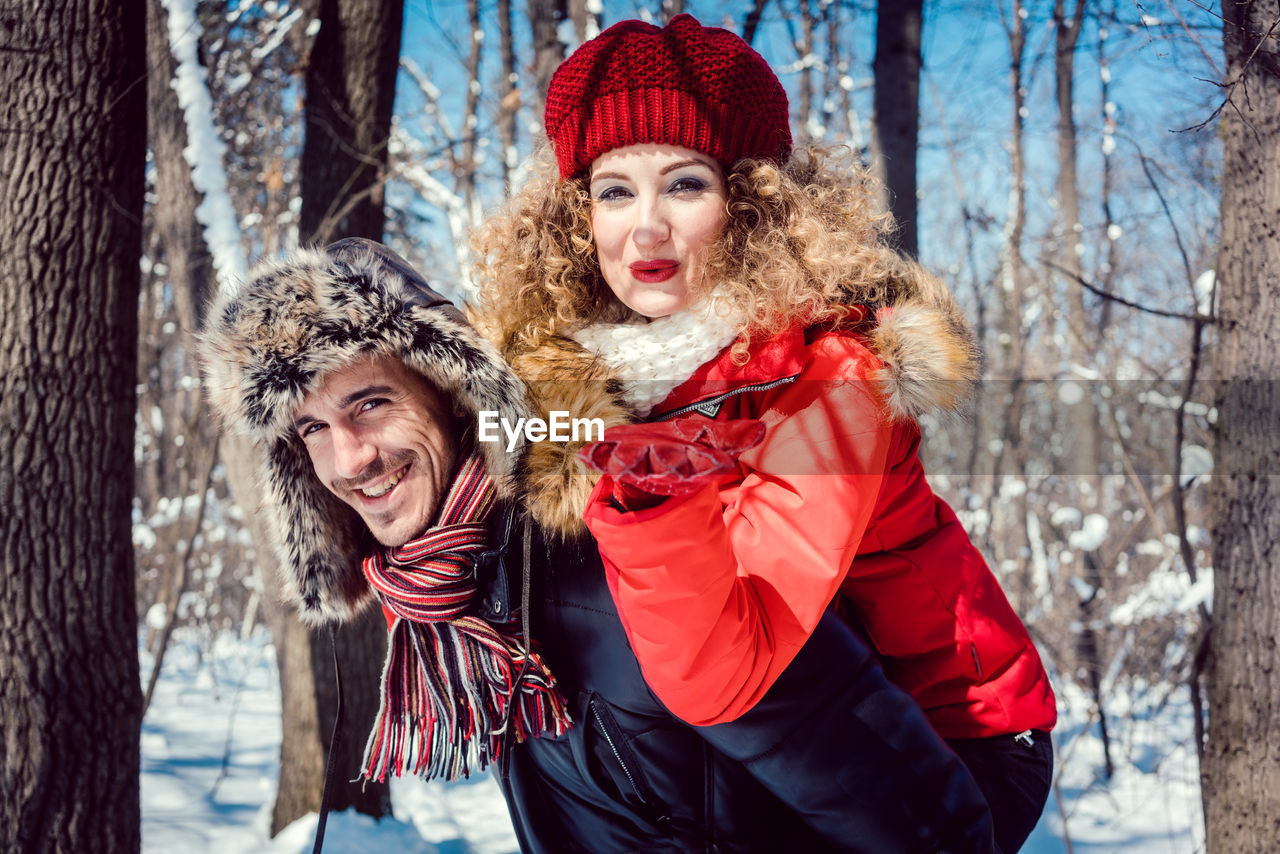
[684,84]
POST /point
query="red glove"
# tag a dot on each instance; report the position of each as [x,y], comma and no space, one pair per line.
[649,462]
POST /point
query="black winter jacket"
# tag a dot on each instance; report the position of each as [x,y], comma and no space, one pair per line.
[834,758]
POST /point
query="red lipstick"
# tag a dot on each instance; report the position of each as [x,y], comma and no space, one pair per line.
[657,270]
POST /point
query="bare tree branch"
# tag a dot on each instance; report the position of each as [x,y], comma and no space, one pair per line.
[1092,288]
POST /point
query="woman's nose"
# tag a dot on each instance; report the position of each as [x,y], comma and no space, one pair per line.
[352,452]
[652,227]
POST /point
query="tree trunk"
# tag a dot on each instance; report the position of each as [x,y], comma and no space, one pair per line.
[548,51]
[73,107]
[310,693]
[585,18]
[751,22]
[1010,367]
[1241,772]
[175,244]
[896,117]
[1012,282]
[1066,36]
[465,169]
[1083,417]
[1108,118]
[1082,331]
[178,235]
[350,89]
[509,104]
[806,15]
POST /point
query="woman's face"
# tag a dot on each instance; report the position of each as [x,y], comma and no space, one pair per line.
[654,211]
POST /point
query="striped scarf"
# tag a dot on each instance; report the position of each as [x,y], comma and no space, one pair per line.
[452,683]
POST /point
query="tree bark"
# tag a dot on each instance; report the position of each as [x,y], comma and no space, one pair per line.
[177,233]
[465,168]
[310,698]
[751,22]
[350,90]
[73,115]
[1083,417]
[1107,276]
[806,15]
[1066,36]
[548,51]
[1241,771]
[896,117]
[509,104]
[1012,283]
[1011,459]
[586,20]
[175,245]
[1083,333]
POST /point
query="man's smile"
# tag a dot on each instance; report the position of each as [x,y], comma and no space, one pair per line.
[381,488]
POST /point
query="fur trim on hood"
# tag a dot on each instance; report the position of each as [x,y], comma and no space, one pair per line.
[931,360]
[930,363]
[270,341]
[564,377]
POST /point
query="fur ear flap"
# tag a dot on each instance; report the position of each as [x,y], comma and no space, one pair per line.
[321,541]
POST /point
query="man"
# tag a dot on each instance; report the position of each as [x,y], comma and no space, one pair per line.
[363,388]
[359,384]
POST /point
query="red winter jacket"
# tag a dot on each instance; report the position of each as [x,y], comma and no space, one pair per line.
[719,590]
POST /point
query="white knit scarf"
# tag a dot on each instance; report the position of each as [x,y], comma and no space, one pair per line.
[653,358]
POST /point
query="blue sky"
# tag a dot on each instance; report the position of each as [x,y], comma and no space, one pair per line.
[966,107]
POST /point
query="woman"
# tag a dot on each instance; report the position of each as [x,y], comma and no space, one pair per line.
[354,376]
[684,269]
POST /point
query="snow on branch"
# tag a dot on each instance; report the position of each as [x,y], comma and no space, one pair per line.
[413,167]
[281,30]
[204,151]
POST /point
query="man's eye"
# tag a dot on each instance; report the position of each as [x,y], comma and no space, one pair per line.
[311,429]
[371,403]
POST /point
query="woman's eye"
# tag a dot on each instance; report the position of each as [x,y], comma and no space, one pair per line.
[610,194]
[688,184]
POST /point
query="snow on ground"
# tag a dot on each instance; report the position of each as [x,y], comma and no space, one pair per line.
[1152,803]
[210,756]
[210,747]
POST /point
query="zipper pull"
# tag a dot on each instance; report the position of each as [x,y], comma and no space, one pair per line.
[1024,738]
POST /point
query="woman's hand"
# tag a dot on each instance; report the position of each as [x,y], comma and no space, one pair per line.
[650,462]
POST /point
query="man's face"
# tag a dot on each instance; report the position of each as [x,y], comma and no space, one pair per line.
[383,440]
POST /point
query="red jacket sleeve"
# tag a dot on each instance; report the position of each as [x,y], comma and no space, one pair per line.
[719,590]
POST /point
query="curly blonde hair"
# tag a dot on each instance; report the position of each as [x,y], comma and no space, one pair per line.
[802,242]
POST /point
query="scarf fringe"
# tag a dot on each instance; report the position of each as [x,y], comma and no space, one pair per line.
[447,700]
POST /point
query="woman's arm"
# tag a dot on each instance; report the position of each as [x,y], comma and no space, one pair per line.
[718,590]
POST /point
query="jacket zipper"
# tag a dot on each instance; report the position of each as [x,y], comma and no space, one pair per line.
[715,401]
[608,737]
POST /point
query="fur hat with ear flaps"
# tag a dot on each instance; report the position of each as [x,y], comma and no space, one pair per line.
[269,342]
